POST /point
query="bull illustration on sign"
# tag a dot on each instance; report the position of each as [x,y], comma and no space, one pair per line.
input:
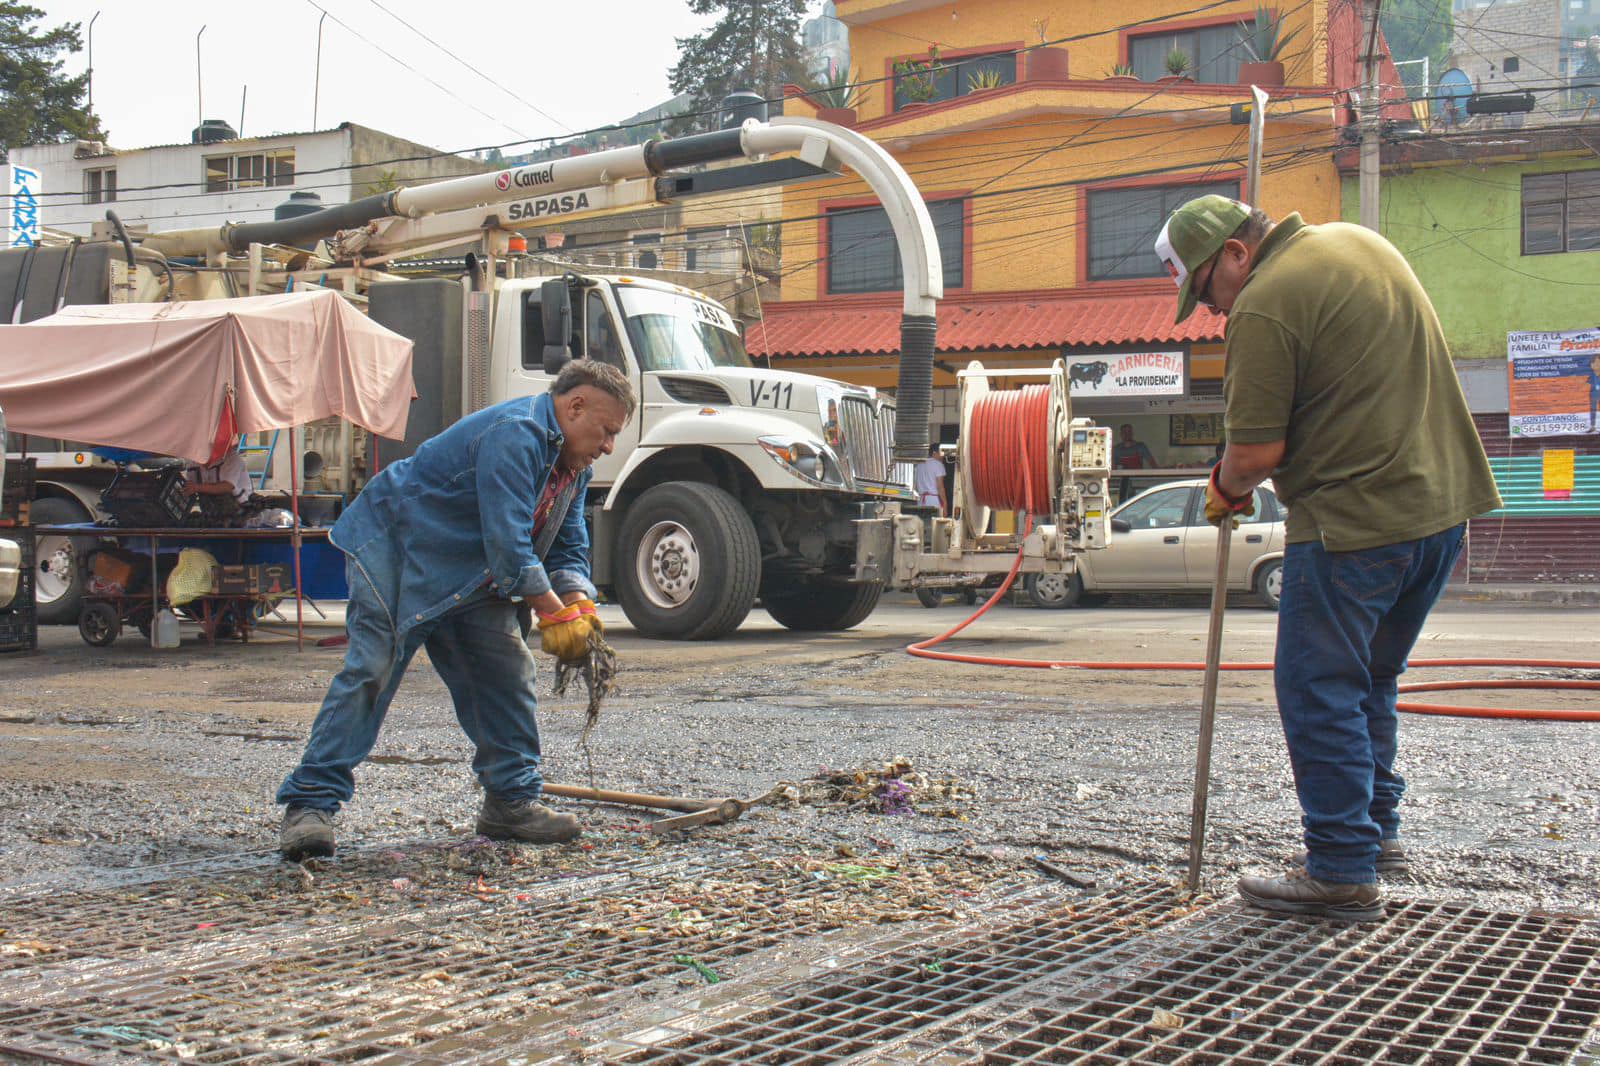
[1090,374]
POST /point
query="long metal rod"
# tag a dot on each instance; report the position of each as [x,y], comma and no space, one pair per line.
[1208,706]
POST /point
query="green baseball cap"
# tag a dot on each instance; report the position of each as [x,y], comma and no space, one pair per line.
[1194,234]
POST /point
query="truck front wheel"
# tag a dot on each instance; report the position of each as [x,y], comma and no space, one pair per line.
[820,605]
[58,582]
[689,562]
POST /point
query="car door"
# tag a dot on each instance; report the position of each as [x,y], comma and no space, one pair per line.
[1149,554]
[1257,534]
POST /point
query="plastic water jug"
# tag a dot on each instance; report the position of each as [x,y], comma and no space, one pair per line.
[164,634]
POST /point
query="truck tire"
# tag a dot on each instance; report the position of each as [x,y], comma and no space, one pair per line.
[821,606]
[58,581]
[688,562]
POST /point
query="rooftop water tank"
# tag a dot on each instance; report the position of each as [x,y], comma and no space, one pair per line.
[740,105]
[212,130]
[298,203]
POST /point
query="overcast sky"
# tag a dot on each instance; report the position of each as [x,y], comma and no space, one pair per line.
[533,68]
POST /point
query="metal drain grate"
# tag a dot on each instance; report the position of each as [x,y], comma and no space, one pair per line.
[282,972]
[1434,983]
[1119,979]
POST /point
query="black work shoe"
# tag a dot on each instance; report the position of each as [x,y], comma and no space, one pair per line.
[527,822]
[306,833]
[1297,892]
[1392,858]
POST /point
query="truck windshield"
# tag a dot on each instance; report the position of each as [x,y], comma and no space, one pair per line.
[674,332]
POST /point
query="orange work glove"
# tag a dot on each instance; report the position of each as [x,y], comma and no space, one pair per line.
[565,634]
[1220,506]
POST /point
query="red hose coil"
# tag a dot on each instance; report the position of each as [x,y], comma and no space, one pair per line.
[1009,449]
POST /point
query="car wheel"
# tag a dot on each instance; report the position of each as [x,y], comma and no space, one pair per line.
[1054,591]
[823,607]
[1269,584]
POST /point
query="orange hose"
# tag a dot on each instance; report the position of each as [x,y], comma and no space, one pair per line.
[997,454]
[1010,449]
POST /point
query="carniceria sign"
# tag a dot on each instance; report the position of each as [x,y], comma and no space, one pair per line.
[1125,374]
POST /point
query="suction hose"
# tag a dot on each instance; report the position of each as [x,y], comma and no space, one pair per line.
[1004,462]
[914,394]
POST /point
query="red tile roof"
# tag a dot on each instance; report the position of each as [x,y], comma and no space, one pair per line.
[978,323]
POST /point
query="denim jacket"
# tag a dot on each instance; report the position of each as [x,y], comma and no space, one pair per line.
[430,530]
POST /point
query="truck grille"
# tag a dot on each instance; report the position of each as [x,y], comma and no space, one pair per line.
[868,439]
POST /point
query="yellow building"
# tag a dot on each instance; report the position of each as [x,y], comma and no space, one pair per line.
[1048,174]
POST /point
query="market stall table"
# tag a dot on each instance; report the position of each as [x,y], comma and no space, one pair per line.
[214,608]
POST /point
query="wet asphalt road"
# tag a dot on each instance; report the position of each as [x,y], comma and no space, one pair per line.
[125,757]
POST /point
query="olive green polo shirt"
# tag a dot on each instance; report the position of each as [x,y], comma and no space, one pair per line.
[1334,348]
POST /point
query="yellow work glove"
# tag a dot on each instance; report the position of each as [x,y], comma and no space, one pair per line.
[587,608]
[565,634]
[1220,507]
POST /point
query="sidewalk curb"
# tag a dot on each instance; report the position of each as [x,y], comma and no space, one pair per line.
[1550,595]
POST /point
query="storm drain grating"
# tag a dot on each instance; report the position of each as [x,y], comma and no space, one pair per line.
[344,969]
[1118,980]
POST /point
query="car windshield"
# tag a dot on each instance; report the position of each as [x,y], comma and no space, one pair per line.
[670,331]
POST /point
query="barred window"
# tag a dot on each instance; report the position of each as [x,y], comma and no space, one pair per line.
[864,257]
[1124,223]
[1561,212]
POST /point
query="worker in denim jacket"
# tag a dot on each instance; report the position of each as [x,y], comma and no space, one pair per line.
[449,550]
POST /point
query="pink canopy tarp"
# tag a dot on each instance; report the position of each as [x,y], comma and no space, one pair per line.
[184,378]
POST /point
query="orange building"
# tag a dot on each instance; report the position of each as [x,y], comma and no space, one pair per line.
[1050,143]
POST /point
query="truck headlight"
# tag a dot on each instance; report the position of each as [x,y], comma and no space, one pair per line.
[812,461]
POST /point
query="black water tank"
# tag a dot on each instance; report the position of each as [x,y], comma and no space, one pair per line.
[212,130]
[740,105]
[298,203]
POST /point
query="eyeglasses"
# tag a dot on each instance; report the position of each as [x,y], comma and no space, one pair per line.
[1203,292]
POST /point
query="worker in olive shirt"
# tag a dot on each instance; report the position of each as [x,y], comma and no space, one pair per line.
[1339,387]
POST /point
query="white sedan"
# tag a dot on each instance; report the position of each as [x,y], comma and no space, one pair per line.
[1161,542]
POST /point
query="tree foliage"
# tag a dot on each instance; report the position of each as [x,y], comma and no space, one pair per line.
[38,103]
[754,44]
[1418,29]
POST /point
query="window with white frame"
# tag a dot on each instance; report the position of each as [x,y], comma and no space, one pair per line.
[254,170]
[100,185]
[1124,223]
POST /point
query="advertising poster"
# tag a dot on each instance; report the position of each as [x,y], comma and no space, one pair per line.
[1125,374]
[1554,381]
[20,225]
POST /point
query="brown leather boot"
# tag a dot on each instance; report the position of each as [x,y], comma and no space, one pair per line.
[527,822]
[1392,858]
[1297,892]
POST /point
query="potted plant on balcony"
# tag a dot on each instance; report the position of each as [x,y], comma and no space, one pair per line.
[1265,41]
[1045,64]
[1121,72]
[915,81]
[1178,66]
[979,80]
[839,97]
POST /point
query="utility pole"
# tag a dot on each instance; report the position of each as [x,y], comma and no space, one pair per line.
[199,87]
[316,84]
[90,107]
[1371,115]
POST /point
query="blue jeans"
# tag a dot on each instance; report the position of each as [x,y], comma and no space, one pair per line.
[479,650]
[1346,623]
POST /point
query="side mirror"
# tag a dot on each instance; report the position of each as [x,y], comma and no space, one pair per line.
[1120,525]
[555,308]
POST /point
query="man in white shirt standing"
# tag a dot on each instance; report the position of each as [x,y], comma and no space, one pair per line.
[929,481]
